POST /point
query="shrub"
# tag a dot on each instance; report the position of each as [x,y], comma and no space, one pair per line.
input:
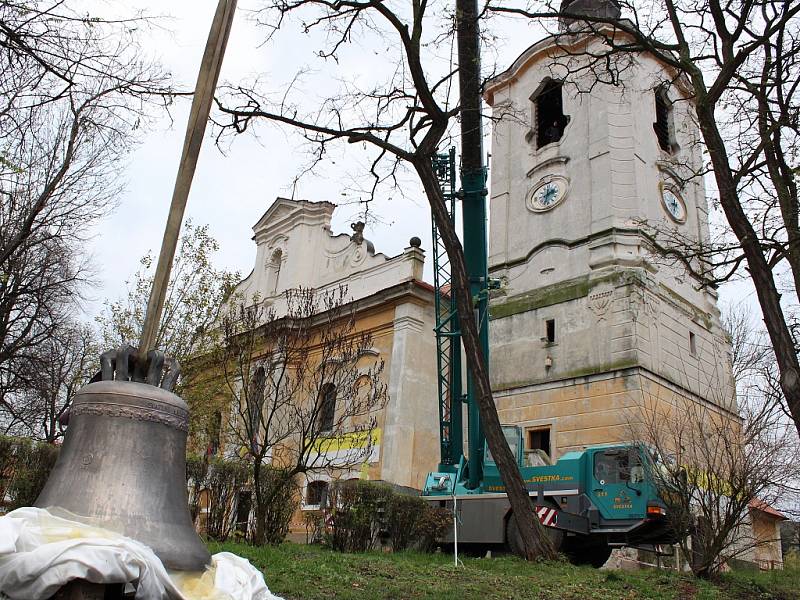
[219,480]
[414,523]
[791,560]
[355,515]
[284,498]
[362,512]
[196,471]
[404,513]
[315,527]
[222,481]
[25,466]
[435,524]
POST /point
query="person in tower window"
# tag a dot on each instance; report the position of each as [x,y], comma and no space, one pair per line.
[552,133]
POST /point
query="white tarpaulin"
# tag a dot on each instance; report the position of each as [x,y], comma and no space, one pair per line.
[40,552]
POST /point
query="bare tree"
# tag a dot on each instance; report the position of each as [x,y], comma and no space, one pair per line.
[37,283]
[196,293]
[304,386]
[401,117]
[75,91]
[750,351]
[712,470]
[189,327]
[66,360]
[737,64]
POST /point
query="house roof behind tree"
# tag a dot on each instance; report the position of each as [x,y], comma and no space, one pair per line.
[295,247]
[760,505]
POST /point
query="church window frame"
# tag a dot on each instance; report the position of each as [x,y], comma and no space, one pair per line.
[664,124]
[214,433]
[274,265]
[254,407]
[548,121]
[326,409]
[549,331]
[538,438]
[316,494]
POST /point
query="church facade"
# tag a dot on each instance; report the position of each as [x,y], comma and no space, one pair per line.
[295,247]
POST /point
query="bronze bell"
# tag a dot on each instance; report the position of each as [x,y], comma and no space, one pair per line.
[123,462]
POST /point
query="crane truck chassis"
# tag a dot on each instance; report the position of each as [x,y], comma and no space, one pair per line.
[590,501]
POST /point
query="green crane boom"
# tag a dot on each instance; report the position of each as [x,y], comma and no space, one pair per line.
[448,341]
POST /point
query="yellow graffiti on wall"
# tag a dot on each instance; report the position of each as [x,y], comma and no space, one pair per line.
[348,441]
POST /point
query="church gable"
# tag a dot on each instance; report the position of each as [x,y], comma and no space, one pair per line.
[295,247]
[286,214]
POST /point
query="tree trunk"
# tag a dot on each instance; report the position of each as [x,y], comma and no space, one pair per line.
[259,532]
[783,181]
[534,538]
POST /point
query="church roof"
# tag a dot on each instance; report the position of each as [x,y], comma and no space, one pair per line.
[608,9]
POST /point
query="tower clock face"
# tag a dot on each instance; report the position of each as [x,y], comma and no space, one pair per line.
[674,205]
[547,195]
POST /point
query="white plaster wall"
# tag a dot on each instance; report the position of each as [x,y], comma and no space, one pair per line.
[313,257]
[410,447]
[618,324]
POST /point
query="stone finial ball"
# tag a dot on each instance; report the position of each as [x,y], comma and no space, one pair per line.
[415,242]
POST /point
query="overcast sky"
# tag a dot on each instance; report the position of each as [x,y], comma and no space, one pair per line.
[232,190]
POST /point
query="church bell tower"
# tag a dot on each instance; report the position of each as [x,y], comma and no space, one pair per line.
[590,322]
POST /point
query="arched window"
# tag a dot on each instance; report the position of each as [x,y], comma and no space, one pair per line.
[548,107]
[316,493]
[664,125]
[327,407]
[275,262]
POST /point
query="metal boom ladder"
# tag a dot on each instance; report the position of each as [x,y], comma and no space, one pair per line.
[448,335]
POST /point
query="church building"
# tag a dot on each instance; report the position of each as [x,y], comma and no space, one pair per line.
[588,325]
[295,247]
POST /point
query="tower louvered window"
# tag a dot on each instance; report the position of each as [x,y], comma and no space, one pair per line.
[663,124]
[550,117]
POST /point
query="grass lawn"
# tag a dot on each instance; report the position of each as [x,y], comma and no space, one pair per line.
[297,571]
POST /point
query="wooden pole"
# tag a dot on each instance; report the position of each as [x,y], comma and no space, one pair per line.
[195,129]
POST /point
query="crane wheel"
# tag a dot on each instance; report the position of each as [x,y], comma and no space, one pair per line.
[581,551]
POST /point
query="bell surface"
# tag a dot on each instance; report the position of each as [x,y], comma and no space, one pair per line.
[123,467]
